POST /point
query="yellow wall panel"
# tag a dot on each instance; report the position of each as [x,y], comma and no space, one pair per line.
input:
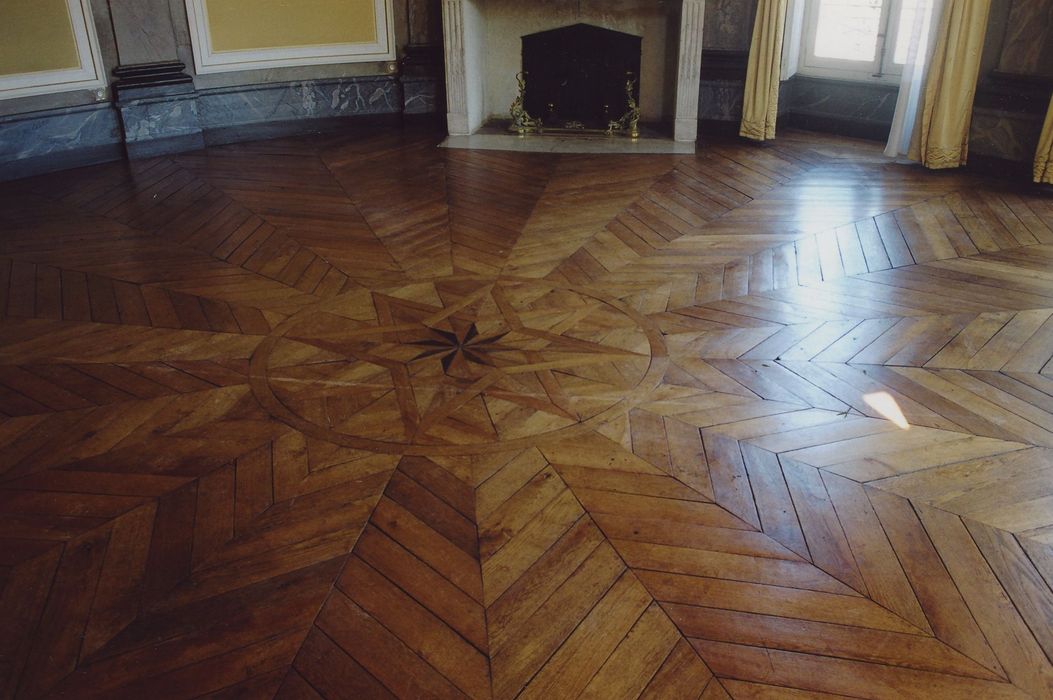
[237,25]
[36,35]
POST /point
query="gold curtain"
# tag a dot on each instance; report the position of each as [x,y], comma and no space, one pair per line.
[760,102]
[1044,154]
[942,141]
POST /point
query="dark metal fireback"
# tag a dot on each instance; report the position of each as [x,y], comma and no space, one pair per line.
[576,76]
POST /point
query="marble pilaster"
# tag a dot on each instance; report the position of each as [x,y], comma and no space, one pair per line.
[689,70]
[456,69]
[144,31]
[155,97]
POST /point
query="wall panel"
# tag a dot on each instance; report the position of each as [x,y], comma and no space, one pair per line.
[47,46]
[229,35]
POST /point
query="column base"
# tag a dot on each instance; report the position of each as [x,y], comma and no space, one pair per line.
[158,106]
[457,124]
[685,130]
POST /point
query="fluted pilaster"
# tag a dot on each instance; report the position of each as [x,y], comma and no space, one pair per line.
[689,70]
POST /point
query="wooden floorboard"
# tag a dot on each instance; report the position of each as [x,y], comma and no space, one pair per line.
[355,416]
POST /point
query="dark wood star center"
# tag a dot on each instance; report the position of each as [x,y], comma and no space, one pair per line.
[466,344]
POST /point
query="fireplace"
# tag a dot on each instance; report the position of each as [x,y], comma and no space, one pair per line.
[581,77]
[483,41]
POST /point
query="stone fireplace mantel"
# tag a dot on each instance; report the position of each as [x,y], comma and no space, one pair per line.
[474,36]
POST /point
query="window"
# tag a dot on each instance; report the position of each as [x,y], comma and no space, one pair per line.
[859,39]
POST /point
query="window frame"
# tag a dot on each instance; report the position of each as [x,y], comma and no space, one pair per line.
[883,69]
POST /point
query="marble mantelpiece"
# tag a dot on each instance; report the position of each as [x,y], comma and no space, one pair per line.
[483,54]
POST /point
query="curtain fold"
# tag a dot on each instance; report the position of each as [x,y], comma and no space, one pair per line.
[922,42]
[1044,154]
[942,138]
[760,101]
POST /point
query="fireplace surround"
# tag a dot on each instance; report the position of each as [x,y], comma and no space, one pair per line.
[483,39]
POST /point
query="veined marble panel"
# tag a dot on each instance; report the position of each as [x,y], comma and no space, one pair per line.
[57,131]
[300,100]
[160,118]
[720,100]
[421,95]
[1028,46]
[1001,134]
[143,29]
[842,99]
[729,24]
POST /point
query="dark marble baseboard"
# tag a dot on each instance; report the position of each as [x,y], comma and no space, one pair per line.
[61,160]
[863,102]
[717,129]
[164,146]
[173,118]
[1019,171]
[284,102]
[1003,134]
[1018,94]
[70,136]
[720,64]
[298,127]
[841,126]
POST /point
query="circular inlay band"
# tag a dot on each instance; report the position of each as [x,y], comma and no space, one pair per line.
[457,365]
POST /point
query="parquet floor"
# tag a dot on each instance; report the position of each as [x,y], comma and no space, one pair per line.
[354,416]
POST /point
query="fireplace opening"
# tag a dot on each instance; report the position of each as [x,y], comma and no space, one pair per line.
[581,77]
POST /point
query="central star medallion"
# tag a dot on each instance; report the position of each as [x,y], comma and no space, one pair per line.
[454,364]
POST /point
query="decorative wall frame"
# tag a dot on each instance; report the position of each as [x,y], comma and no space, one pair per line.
[207,60]
[89,75]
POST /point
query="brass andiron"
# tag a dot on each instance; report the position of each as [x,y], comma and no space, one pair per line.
[522,122]
[630,121]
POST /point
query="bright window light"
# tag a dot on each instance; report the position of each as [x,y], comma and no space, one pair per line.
[848,29]
[885,404]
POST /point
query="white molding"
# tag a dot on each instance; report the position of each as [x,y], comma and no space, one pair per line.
[89,75]
[206,60]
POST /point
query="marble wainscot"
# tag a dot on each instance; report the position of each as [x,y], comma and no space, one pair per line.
[421,95]
[1005,135]
[483,54]
[861,110]
[154,120]
[720,100]
[160,119]
[58,138]
[260,111]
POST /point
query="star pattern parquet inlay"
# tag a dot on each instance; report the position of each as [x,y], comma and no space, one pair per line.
[456,365]
[351,415]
